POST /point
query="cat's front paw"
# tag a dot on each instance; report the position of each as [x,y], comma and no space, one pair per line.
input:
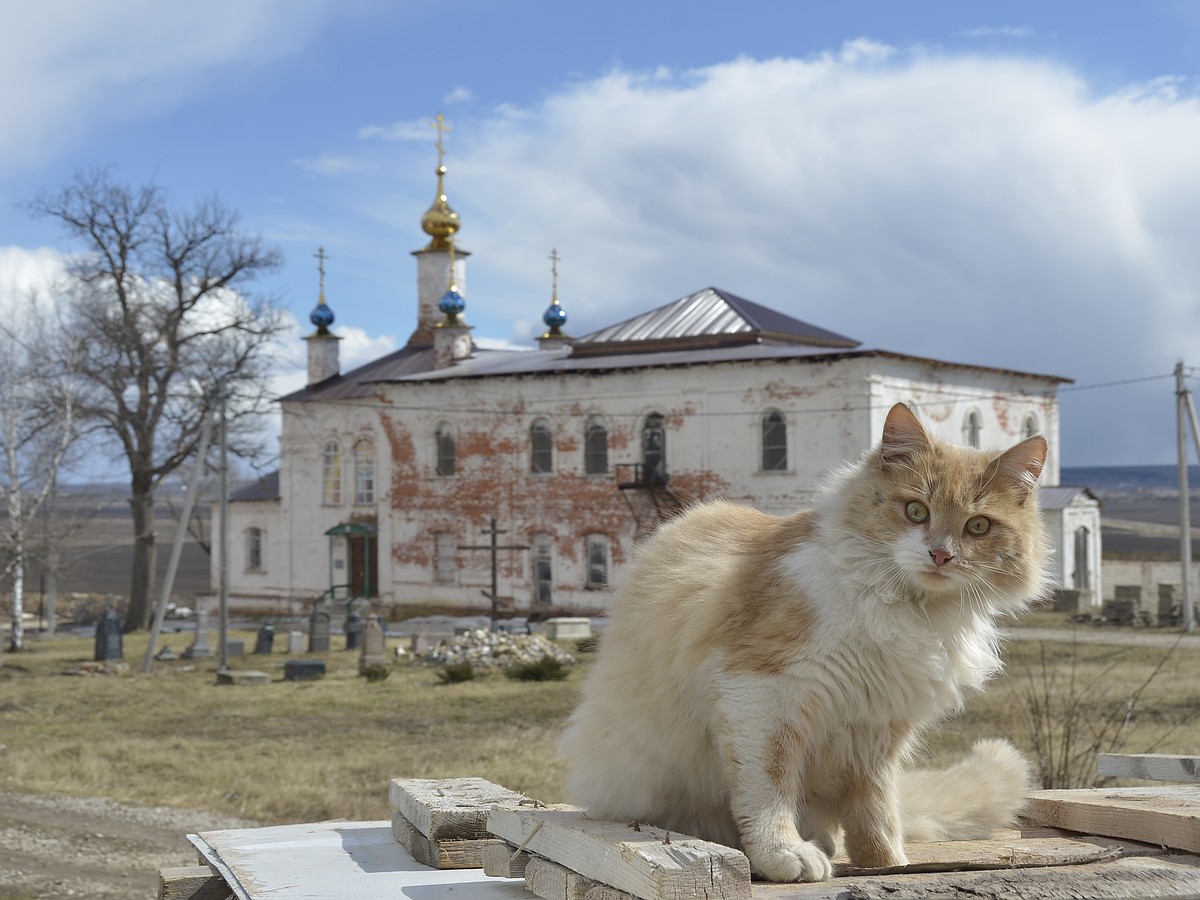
[799,861]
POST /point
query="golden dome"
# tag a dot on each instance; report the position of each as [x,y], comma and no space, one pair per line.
[440,221]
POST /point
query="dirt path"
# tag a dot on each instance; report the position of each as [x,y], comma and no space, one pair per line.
[63,847]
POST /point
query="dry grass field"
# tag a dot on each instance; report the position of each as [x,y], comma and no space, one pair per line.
[307,751]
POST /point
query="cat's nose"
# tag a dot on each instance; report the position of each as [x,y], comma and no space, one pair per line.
[941,557]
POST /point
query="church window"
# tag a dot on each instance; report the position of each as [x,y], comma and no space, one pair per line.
[364,472]
[597,561]
[445,562]
[972,428]
[1030,426]
[774,443]
[541,448]
[445,450]
[654,450]
[254,549]
[595,448]
[543,569]
[331,473]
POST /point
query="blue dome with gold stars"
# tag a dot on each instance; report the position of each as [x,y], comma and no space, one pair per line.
[452,303]
[321,316]
[555,317]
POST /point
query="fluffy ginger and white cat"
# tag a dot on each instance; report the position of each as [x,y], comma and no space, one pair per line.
[763,680]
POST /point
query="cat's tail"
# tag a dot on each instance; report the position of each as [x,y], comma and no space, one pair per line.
[976,796]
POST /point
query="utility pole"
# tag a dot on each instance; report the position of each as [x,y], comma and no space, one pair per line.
[223,653]
[1185,412]
[495,532]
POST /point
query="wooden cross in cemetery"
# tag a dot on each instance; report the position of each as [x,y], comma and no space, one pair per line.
[495,548]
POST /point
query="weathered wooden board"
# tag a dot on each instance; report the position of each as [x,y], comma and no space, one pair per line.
[1169,816]
[449,808]
[550,881]
[1012,852]
[502,860]
[440,854]
[191,883]
[648,863]
[1147,878]
[1150,766]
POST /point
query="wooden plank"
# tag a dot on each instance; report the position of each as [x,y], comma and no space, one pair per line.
[604,892]
[1169,816]
[439,854]
[1150,766]
[449,808]
[648,863]
[191,883]
[502,860]
[550,881]
[1008,853]
[1148,878]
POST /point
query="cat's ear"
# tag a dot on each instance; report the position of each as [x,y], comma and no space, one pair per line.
[1020,466]
[903,435]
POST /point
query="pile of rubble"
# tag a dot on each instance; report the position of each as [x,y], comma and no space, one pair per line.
[485,649]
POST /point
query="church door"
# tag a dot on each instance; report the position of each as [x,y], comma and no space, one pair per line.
[364,565]
[654,450]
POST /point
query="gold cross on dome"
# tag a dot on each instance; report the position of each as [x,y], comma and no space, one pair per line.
[321,256]
[442,128]
[554,258]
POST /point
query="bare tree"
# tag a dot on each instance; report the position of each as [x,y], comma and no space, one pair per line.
[162,307]
[38,424]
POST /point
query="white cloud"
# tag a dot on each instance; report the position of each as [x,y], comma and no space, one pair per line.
[1005,31]
[460,94]
[331,164]
[418,130]
[62,63]
[985,210]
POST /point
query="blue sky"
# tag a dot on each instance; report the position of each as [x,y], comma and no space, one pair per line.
[1010,184]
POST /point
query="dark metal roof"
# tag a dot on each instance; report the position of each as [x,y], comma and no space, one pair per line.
[1062,496]
[265,487]
[709,326]
[395,366]
[489,363]
[707,318]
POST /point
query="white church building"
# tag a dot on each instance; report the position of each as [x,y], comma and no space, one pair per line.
[392,474]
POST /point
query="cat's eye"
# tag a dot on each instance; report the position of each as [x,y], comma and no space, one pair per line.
[916,512]
[979,525]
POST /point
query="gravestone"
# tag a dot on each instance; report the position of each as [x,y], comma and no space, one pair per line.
[565,627]
[354,627]
[199,646]
[108,637]
[303,669]
[295,642]
[374,645]
[318,631]
[235,648]
[265,641]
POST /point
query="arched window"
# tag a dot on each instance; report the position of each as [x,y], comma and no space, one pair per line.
[543,569]
[972,427]
[364,471]
[331,473]
[597,561]
[1030,426]
[445,557]
[541,447]
[254,549]
[774,443]
[654,450]
[595,448]
[444,439]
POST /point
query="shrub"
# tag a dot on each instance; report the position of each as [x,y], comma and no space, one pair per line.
[456,673]
[589,644]
[375,672]
[545,669]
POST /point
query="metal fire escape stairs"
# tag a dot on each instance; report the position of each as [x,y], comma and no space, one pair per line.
[650,496]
